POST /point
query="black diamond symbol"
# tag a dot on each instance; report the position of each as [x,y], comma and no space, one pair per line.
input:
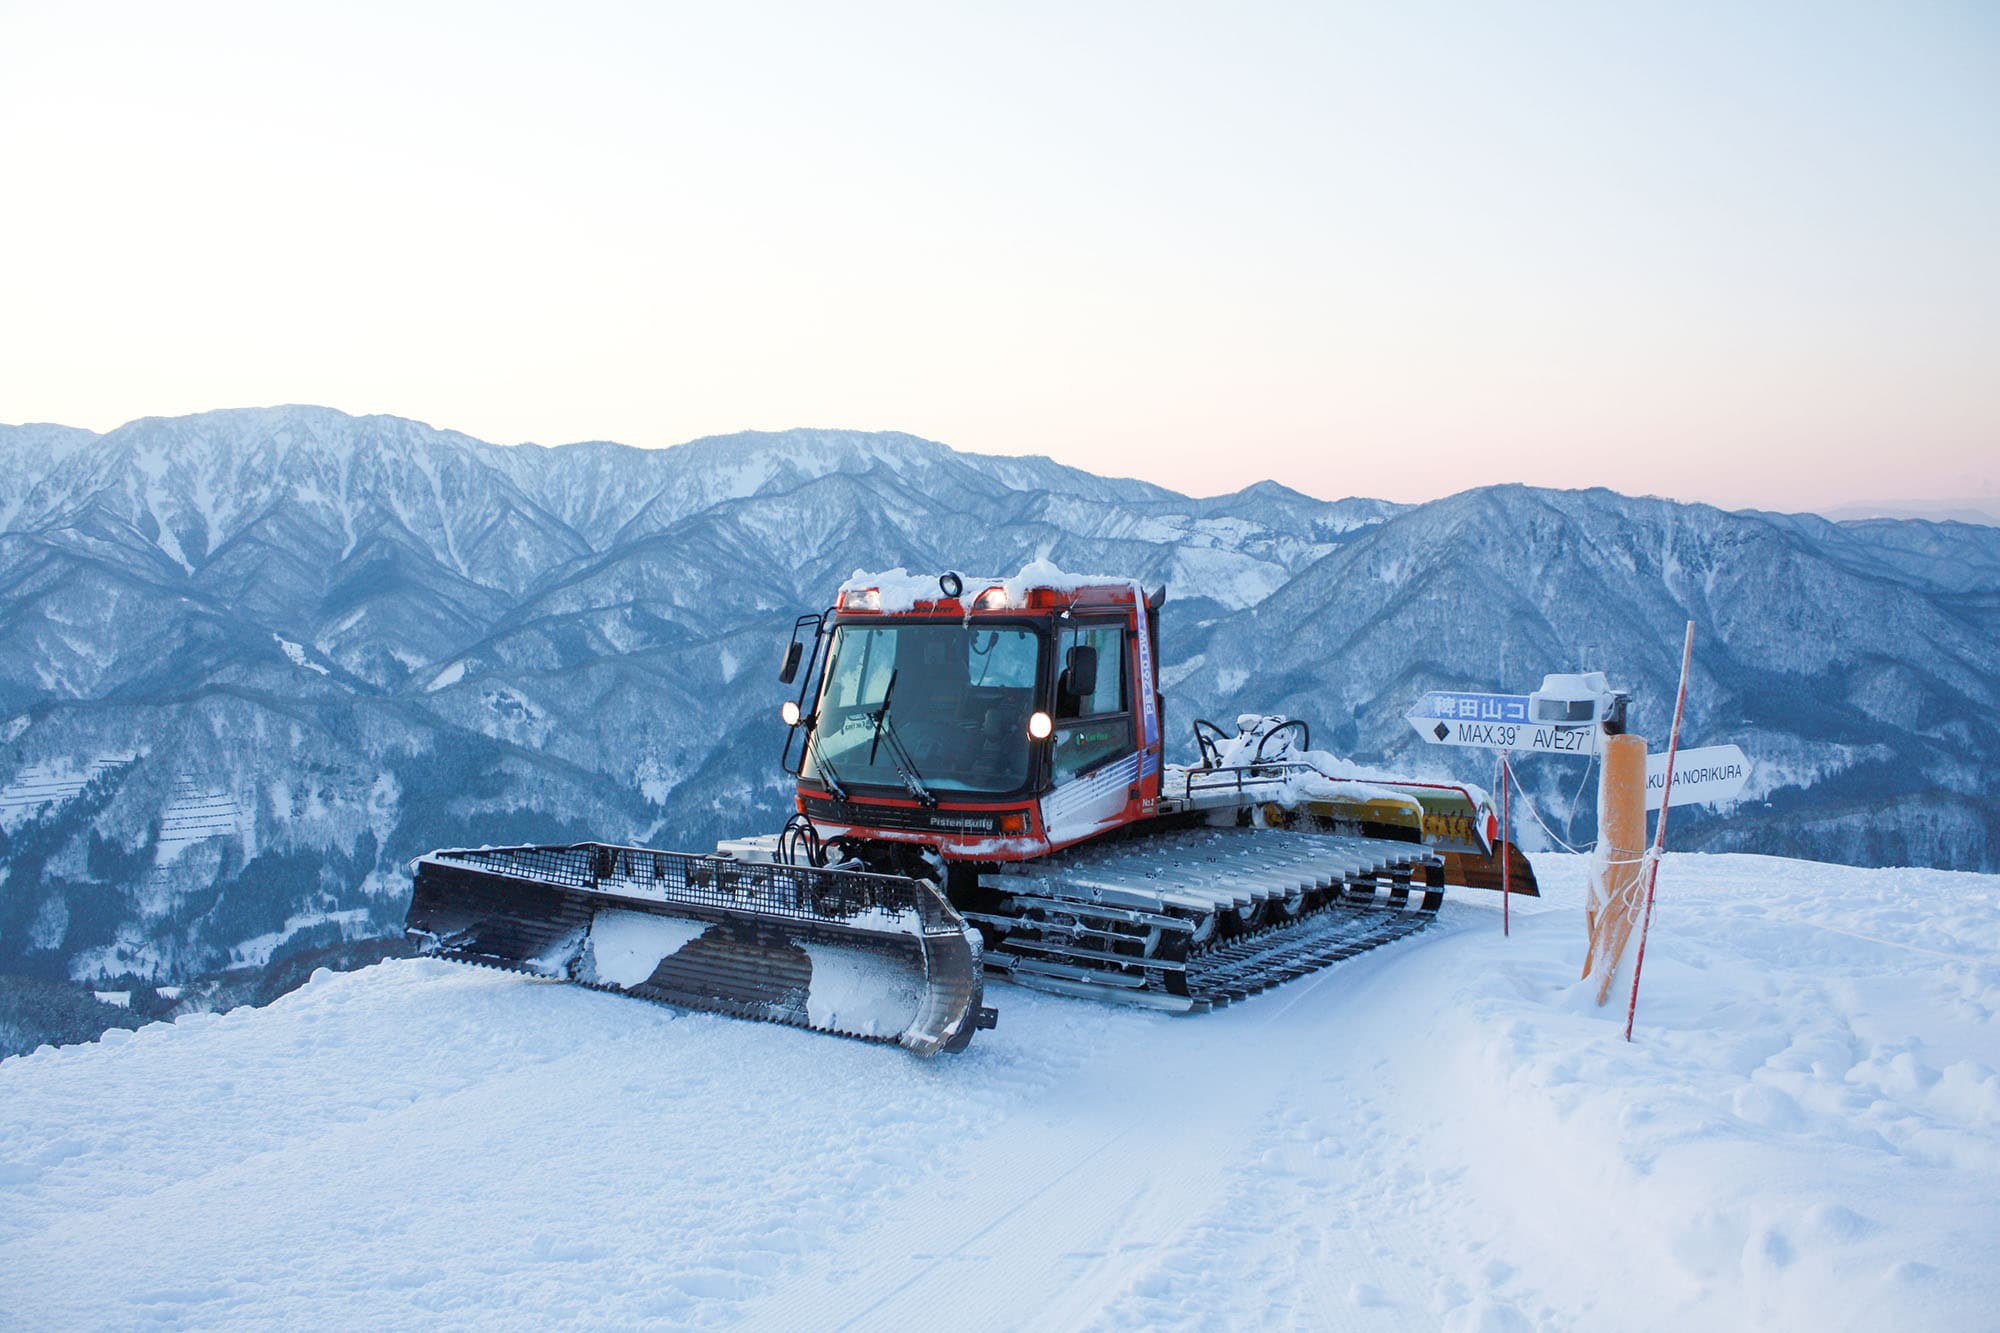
[1441,731]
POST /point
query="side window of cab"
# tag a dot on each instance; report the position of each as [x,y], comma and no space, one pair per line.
[1093,715]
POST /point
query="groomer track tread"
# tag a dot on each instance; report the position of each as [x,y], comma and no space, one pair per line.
[1198,918]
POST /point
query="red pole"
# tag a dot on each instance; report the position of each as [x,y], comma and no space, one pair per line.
[1660,834]
[1506,847]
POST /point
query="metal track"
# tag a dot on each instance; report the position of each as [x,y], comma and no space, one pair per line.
[1196,919]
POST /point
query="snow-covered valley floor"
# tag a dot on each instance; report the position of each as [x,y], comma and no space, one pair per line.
[1444,1133]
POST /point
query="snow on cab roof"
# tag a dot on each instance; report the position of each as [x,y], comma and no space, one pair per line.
[900,590]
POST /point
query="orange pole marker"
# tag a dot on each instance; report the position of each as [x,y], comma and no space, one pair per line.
[1617,895]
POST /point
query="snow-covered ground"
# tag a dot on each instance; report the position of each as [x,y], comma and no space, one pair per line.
[1442,1133]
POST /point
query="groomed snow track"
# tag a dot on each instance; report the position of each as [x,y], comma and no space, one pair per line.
[1451,1137]
[1192,920]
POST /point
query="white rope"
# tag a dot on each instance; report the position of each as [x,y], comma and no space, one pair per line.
[1633,894]
[1515,776]
[1576,797]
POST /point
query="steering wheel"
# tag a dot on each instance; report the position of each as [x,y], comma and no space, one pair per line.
[1208,738]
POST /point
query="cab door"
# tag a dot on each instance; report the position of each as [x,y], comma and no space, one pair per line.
[1094,754]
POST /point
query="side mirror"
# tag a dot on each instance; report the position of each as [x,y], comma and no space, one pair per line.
[790,670]
[1081,665]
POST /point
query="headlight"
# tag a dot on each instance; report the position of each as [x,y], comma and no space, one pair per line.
[1040,726]
[789,711]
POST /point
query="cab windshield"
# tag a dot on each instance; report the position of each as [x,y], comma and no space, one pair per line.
[948,701]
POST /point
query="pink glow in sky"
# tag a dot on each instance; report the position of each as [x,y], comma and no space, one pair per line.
[1741,253]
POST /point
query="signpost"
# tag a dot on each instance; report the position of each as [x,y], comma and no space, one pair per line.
[1713,775]
[1495,722]
[1572,714]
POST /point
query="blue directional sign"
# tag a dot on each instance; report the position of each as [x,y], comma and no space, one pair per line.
[1451,704]
[1494,722]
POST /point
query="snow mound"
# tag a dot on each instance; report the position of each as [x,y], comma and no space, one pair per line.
[1444,1133]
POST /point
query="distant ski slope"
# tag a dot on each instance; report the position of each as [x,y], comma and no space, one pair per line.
[1805,1135]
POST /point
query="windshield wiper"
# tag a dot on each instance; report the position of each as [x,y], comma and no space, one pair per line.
[899,755]
[906,768]
[881,712]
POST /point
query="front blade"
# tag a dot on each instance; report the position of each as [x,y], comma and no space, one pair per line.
[1455,825]
[874,956]
[1476,870]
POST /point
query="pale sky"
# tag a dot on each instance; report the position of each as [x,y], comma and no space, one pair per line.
[1746,253]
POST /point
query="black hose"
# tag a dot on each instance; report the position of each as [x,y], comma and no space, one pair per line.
[800,837]
[1211,749]
[1305,737]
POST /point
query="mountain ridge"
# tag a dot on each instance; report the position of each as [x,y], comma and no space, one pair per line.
[348,639]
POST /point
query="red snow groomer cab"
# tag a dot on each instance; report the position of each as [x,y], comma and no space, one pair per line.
[982,787]
[1000,721]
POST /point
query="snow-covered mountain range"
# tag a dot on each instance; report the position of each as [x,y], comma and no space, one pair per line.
[253,661]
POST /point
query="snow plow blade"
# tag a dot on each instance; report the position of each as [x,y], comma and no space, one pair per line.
[1475,870]
[879,957]
[1450,822]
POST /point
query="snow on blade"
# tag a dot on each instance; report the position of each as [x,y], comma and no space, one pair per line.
[555,960]
[626,947]
[854,990]
[886,921]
